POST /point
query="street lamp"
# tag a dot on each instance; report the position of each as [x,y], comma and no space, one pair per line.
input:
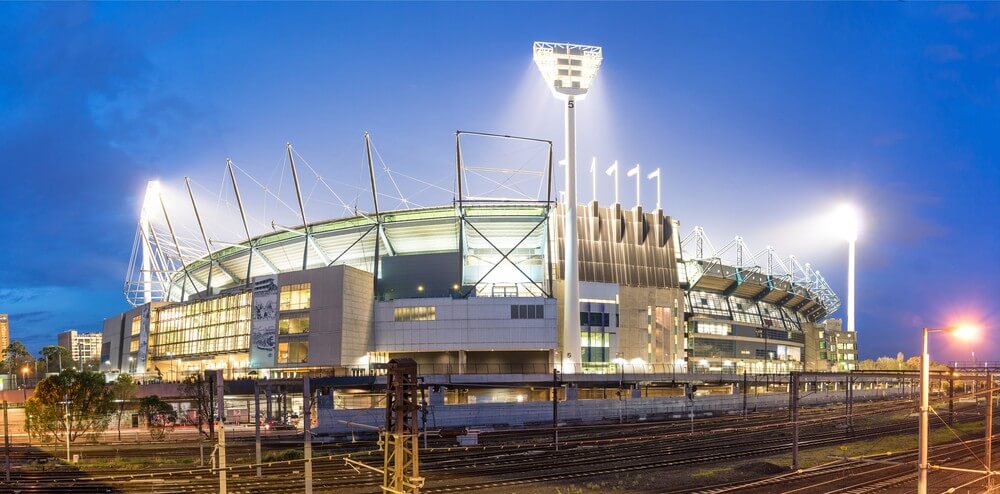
[569,71]
[962,333]
[848,223]
[24,381]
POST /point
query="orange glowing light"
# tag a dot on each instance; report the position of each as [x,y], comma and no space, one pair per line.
[965,332]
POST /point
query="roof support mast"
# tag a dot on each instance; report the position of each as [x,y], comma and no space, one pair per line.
[243,216]
[201,228]
[378,217]
[302,207]
[180,256]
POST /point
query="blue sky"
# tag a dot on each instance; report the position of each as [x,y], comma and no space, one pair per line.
[762,117]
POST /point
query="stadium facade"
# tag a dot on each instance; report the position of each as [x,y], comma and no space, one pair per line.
[485,284]
[473,286]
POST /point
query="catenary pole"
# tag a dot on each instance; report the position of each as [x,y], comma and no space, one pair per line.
[307,433]
[256,423]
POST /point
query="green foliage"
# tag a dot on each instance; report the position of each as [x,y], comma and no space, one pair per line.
[84,395]
[895,364]
[155,409]
[159,415]
[123,390]
[55,356]
[16,356]
[283,455]
[199,391]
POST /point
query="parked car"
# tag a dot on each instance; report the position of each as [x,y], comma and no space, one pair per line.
[274,425]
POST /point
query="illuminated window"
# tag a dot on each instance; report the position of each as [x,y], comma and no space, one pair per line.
[405,314]
[713,328]
[293,325]
[293,351]
[595,346]
[294,297]
[211,326]
[136,325]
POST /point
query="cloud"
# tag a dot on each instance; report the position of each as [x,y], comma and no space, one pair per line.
[30,317]
[943,53]
[17,295]
[82,103]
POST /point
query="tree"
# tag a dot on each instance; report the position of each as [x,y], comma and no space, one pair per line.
[159,415]
[199,391]
[123,391]
[16,356]
[84,395]
[57,358]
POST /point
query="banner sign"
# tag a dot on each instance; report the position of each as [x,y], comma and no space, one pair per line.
[140,366]
[263,322]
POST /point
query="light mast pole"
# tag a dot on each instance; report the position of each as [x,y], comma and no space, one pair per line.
[571,304]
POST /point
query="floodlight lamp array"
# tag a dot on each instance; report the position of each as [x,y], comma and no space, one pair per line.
[568,69]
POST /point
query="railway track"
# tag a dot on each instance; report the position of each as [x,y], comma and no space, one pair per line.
[506,459]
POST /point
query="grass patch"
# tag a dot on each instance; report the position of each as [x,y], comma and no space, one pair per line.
[885,444]
[131,464]
[711,472]
[283,455]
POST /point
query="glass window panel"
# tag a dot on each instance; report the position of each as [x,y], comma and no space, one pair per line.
[293,325]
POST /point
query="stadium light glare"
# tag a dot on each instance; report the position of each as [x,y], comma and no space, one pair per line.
[569,70]
[847,223]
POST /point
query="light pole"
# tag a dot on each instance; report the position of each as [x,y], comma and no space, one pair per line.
[961,332]
[569,71]
[24,381]
[848,223]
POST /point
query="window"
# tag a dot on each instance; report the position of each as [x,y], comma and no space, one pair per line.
[405,314]
[595,319]
[595,347]
[293,351]
[293,325]
[216,325]
[527,312]
[294,297]
[136,325]
[704,347]
[713,328]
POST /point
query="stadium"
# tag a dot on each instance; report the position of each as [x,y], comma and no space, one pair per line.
[476,283]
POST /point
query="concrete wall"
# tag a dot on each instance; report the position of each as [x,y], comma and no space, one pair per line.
[478,323]
[518,414]
[357,330]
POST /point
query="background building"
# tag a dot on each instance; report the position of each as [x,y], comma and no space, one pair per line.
[84,347]
[4,331]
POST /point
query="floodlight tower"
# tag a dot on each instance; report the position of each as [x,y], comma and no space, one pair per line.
[569,70]
[848,224]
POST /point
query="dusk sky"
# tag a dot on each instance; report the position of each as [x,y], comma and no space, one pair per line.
[762,117]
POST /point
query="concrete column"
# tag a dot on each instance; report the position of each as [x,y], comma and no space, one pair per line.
[267,400]
[571,392]
[461,361]
[436,397]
